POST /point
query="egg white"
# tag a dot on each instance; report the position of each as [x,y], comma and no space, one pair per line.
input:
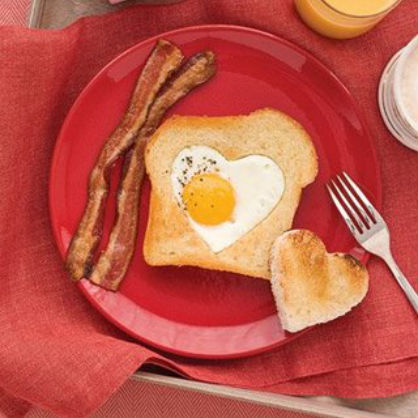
[257,180]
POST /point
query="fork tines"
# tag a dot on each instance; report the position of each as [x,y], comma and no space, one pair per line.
[355,208]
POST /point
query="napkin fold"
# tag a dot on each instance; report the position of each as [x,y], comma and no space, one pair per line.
[56,351]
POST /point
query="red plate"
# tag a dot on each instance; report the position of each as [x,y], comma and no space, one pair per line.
[191,311]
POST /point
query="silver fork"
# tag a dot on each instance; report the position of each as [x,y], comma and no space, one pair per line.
[370,230]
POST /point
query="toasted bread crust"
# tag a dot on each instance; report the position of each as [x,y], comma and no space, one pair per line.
[170,240]
[310,285]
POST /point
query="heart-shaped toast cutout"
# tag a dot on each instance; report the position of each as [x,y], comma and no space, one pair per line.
[310,285]
[256,181]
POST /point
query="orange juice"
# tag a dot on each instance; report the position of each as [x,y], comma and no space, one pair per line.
[341,19]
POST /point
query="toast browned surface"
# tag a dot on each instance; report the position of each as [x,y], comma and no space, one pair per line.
[170,239]
[310,285]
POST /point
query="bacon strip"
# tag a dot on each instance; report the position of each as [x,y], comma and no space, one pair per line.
[163,61]
[114,261]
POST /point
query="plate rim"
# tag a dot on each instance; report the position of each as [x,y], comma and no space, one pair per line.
[85,90]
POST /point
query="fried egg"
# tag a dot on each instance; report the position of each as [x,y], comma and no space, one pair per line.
[224,200]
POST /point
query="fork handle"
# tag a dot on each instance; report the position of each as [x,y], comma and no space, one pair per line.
[402,281]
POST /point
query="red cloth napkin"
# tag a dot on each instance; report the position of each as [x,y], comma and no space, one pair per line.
[55,350]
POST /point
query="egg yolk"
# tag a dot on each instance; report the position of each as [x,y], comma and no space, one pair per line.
[209,199]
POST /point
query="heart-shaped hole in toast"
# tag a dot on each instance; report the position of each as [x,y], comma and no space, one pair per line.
[256,180]
[310,285]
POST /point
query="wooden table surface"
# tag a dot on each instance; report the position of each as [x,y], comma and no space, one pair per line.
[59,13]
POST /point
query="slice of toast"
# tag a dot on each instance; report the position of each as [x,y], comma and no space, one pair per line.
[311,286]
[170,239]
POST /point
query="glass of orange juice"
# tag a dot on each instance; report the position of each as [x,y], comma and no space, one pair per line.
[342,19]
